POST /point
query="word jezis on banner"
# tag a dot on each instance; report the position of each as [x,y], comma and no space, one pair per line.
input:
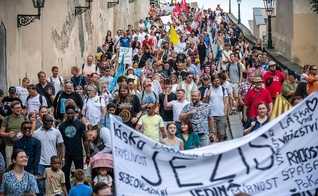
[280,158]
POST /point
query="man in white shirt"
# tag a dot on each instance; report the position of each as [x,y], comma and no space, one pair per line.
[176,106]
[88,68]
[35,100]
[22,90]
[56,80]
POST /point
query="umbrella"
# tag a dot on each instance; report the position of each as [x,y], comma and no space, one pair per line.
[102,160]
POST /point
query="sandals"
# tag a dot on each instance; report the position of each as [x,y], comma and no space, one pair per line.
[233,111]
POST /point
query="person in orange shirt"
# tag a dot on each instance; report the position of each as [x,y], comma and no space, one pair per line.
[312,80]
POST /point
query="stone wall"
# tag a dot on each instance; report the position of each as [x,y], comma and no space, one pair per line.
[60,38]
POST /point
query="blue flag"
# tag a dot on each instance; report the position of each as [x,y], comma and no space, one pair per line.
[119,72]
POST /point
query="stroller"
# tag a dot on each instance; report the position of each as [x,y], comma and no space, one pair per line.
[102,160]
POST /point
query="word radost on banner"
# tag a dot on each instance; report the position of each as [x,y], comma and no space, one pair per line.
[281,158]
[127,53]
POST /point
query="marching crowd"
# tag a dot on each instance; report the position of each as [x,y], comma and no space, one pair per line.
[177,94]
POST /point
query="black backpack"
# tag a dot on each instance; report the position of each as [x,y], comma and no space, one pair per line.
[40,99]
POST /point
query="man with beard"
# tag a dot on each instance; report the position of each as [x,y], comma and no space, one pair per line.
[216,97]
[35,100]
[58,107]
[257,69]
[245,87]
[45,88]
[255,96]
[31,146]
[200,116]
[181,72]
[72,132]
[273,80]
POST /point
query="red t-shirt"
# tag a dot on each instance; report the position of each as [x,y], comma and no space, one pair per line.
[276,86]
[264,96]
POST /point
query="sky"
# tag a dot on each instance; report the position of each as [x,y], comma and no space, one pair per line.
[246,7]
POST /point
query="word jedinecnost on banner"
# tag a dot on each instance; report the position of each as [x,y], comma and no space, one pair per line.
[281,158]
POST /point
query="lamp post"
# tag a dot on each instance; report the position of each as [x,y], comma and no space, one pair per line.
[229,6]
[239,11]
[269,6]
[82,9]
[24,20]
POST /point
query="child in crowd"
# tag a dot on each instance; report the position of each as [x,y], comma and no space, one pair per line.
[111,109]
[54,179]
[80,189]
[103,177]
[171,140]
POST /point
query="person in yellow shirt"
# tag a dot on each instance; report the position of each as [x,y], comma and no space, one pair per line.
[312,80]
[152,124]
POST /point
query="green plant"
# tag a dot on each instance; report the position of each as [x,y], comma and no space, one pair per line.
[314,4]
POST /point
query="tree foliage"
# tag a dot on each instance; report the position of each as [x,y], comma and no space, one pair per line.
[314,4]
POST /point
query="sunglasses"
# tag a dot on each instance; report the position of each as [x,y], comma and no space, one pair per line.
[27,128]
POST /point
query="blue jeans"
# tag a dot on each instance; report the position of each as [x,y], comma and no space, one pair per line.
[41,183]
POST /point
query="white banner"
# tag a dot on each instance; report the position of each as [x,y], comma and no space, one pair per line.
[281,158]
[166,19]
[127,52]
[167,8]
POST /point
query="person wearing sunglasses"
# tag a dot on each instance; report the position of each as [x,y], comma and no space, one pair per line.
[152,124]
[312,79]
[188,85]
[31,146]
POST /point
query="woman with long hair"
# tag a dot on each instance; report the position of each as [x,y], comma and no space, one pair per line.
[171,140]
[111,44]
[202,52]
[15,180]
[128,106]
[304,75]
[193,53]
[79,90]
[190,139]
[38,122]
[174,83]
[258,121]
[32,120]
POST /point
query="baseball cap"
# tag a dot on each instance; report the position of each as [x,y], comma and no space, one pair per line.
[258,79]
[130,76]
[271,63]
[12,89]
[292,73]
[206,77]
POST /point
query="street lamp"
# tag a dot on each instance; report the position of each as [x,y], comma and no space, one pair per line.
[269,6]
[24,20]
[82,9]
[239,11]
[229,6]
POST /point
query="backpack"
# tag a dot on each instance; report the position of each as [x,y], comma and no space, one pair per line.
[84,65]
[40,99]
[238,67]
[59,77]
[8,118]
[80,80]
[143,93]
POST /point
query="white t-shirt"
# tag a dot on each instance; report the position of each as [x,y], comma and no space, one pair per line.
[177,108]
[93,107]
[23,93]
[34,104]
[56,82]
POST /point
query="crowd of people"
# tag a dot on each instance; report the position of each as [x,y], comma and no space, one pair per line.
[176,94]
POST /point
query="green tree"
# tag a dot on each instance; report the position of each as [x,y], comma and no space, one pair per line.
[314,4]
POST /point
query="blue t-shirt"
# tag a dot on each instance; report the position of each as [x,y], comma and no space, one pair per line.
[80,189]
[124,41]
[257,124]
